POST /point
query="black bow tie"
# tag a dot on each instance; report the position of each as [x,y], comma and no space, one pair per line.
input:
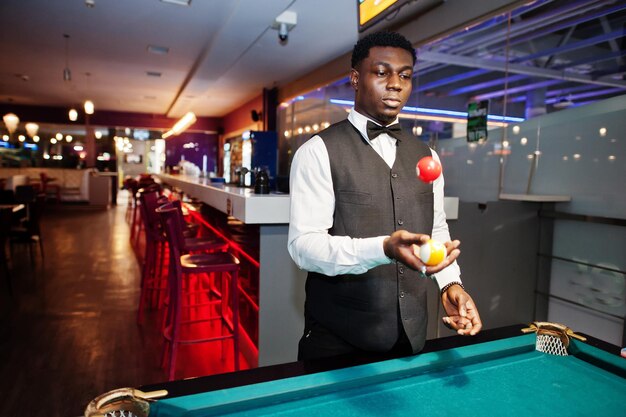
[373,130]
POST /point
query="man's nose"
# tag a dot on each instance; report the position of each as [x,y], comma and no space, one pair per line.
[393,82]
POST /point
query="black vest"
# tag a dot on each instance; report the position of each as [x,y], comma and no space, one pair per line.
[373,200]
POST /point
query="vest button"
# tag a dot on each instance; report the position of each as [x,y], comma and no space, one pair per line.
[401,270]
[401,294]
[400,222]
[394,175]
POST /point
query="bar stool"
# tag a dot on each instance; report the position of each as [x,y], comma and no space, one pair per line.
[153,281]
[218,264]
[152,277]
[137,224]
[131,185]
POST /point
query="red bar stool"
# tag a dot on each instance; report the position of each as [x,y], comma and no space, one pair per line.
[153,280]
[129,185]
[224,266]
[145,181]
[137,224]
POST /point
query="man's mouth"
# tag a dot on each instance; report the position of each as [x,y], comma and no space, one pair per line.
[392,102]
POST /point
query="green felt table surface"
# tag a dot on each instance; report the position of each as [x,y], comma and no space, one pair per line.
[503,377]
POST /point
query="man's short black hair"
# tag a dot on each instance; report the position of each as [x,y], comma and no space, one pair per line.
[362,48]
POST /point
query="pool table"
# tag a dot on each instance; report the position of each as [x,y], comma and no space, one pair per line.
[496,373]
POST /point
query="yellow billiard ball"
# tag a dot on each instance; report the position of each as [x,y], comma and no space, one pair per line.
[432,252]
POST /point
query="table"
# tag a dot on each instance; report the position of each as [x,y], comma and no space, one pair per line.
[13,207]
[502,374]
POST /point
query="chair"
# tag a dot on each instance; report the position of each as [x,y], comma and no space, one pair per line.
[224,267]
[15,181]
[28,231]
[50,189]
[6,216]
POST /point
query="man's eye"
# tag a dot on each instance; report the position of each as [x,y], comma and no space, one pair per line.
[405,76]
[380,73]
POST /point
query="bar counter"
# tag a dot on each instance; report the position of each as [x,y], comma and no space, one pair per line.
[238,202]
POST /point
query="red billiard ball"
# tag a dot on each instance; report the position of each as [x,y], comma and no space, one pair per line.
[428,170]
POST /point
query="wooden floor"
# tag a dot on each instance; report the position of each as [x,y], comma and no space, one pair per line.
[68,332]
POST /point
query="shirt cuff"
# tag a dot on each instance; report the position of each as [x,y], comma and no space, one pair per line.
[450,274]
[372,253]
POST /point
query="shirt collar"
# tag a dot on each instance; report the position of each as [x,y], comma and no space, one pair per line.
[360,122]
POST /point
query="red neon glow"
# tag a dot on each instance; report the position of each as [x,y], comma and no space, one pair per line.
[232,244]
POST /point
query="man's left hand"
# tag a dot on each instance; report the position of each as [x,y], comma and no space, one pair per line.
[462,314]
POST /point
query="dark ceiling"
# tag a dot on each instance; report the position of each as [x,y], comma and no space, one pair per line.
[545,56]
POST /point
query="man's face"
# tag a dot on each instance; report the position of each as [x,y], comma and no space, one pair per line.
[383,83]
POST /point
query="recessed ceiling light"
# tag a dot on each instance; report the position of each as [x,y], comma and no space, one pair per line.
[159,50]
[178,2]
[153,74]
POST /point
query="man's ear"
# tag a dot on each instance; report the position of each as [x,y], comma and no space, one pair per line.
[354,79]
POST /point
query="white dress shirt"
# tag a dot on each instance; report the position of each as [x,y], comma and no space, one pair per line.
[313,205]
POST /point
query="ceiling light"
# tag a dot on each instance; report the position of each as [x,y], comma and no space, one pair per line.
[89,107]
[98,134]
[35,138]
[181,125]
[158,50]
[69,138]
[73,115]
[5,138]
[21,138]
[11,121]
[32,129]
[53,141]
[178,2]
[59,136]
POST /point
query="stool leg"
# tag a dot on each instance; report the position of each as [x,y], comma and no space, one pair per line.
[159,271]
[176,306]
[175,326]
[146,280]
[235,308]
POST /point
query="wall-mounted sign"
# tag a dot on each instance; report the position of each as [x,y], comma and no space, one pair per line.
[477,121]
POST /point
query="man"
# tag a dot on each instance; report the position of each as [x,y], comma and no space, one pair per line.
[356,204]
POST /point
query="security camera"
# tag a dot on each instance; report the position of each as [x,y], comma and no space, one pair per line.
[283,32]
[283,24]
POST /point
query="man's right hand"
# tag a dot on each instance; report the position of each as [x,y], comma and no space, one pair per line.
[399,246]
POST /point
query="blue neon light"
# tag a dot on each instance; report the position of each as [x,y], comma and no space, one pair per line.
[440,112]
[342,102]
[31,146]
